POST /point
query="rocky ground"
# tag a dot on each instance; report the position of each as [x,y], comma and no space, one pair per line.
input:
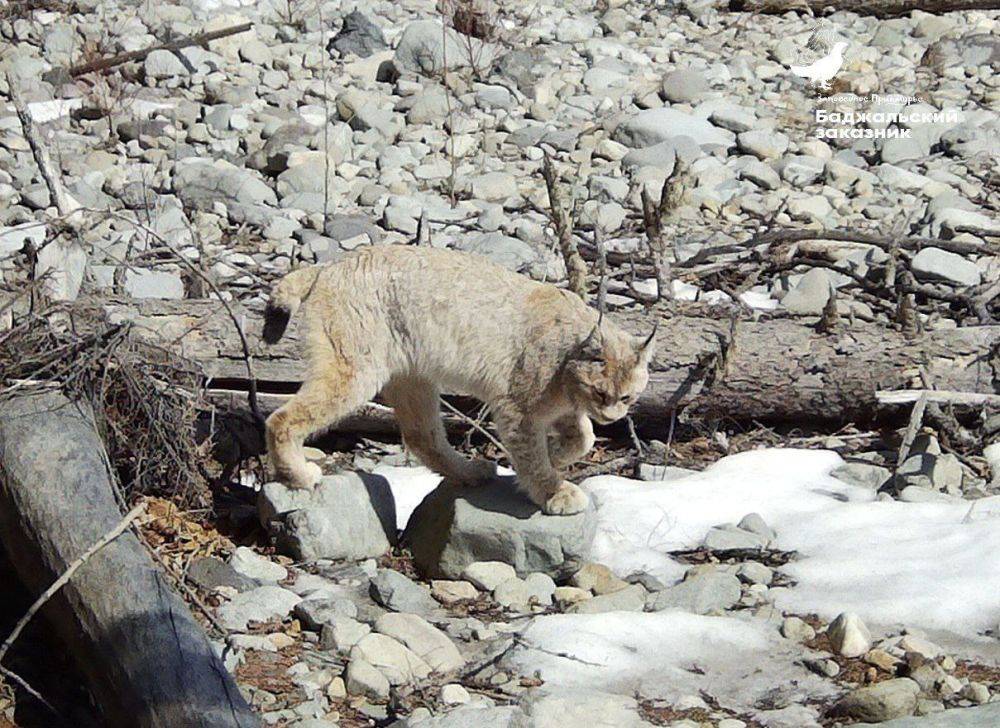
[209,171]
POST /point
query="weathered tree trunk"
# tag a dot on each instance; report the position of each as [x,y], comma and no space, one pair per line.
[878,8]
[145,659]
[775,370]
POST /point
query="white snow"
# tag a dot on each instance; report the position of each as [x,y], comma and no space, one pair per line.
[666,654]
[409,486]
[44,111]
[930,565]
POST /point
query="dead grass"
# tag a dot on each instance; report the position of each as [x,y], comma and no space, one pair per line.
[988,675]
[23,9]
[655,713]
[145,399]
[269,671]
[854,672]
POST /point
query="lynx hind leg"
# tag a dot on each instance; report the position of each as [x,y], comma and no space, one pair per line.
[416,404]
[332,394]
[570,440]
[527,444]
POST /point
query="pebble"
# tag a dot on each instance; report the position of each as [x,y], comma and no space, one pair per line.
[423,638]
[849,636]
[488,575]
[398,663]
[512,593]
[794,628]
[366,680]
[449,592]
[247,562]
[401,594]
[630,599]
[598,579]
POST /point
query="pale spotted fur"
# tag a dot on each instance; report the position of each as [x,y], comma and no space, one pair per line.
[410,322]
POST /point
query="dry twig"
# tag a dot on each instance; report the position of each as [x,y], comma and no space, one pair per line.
[44,597]
[576,268]
[202,39]
[653,215]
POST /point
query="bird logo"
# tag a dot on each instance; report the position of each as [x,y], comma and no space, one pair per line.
[821,71]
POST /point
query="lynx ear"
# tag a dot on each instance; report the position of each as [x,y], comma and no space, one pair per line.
[645,347]
[591,348]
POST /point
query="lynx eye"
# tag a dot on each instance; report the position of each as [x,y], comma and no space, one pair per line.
[627,399]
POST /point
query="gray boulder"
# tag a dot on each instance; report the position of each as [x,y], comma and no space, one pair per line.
[659,125]
[164,64]
[208,573]
[810,295]
[985,716]
[536,261]
[423,48]
[940,472]
[200,183]
[399,593]
[704,594]
[880,702]
[684,85]
[935,263]
[358,35]
[346,516]
[630,599]
[456,526]
[257,605]
[978,49]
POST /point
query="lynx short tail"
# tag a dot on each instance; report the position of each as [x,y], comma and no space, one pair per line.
[285,299]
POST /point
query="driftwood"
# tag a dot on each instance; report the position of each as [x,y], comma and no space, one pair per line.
[201,39]
[773,370]
[878,8]
[146,661]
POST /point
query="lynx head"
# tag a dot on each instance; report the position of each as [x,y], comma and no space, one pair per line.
[608,372]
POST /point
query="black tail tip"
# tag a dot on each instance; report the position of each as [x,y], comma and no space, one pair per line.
[275,322]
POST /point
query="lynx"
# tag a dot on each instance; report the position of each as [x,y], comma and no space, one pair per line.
[410,322]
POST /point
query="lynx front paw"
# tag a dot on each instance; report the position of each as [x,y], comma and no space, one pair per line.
[567,500]
[304,478]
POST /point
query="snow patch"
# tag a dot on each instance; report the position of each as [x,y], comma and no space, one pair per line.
[931,565]
[661,654]
[409,486]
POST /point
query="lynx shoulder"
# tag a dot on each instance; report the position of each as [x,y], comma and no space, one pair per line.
[411,322]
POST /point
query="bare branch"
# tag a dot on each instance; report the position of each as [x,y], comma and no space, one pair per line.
[576,268]
[201,39]
[44,597]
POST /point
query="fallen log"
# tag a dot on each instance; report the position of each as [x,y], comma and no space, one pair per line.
[145,659]
[777,370]
[879,8]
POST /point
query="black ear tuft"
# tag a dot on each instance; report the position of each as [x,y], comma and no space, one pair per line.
[275,322]
[591,348]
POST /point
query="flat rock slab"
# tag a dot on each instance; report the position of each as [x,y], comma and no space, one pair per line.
[984,716]
[455,526]
[346,516]
[704,594]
